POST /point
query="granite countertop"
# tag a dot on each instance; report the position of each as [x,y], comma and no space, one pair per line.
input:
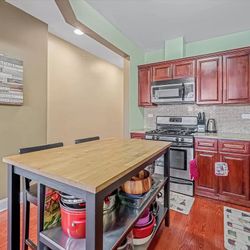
[143,130]
[229,136]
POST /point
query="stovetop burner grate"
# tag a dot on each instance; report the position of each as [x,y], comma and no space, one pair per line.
[174,132]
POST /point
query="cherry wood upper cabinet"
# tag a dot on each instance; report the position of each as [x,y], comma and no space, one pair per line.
[174,70]
[221,78]
[184,69]
[206,185]
[236,78]
[144,87]
[235,186]
[209,80]
[162,72]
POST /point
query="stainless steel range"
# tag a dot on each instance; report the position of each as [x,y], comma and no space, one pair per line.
[179,131]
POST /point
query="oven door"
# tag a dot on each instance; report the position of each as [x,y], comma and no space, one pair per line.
[167,93]
[179,162]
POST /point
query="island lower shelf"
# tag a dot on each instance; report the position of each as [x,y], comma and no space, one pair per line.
[117,224]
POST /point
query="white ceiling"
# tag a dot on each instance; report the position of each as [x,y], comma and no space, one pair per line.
[48,12]
[149,22]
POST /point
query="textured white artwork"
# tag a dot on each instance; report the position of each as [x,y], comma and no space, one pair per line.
[11,81]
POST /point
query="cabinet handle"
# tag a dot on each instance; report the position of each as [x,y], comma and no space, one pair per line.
[234,146]
[205,155]
[205,144]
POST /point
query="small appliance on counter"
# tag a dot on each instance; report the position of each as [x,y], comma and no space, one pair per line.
[201,127]
[211,126]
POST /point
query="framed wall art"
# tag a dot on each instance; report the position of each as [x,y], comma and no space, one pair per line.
[11,81]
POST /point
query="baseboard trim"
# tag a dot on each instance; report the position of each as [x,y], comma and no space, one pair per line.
[4,203]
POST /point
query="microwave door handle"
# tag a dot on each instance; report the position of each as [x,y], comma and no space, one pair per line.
[183,92]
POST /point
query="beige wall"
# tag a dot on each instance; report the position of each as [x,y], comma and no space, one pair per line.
[23,37]
[85,94]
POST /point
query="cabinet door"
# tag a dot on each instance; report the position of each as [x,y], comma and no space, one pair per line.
[209,80]
[236,69]
[235,187]
[184,69]
[207,183]
[144,87]
[162,72]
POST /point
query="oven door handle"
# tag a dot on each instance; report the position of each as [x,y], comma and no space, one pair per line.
[182,183]
[181,148]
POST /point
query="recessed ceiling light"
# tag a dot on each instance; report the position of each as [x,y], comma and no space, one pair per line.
[78,32]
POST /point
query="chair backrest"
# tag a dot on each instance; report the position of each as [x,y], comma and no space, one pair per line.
[41,147]
[95,138]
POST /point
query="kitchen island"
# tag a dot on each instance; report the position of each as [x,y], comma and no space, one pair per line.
[90,171]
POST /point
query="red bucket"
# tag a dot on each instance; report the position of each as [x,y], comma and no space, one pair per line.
[73,222]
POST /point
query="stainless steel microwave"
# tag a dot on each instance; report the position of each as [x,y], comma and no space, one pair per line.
[173,91]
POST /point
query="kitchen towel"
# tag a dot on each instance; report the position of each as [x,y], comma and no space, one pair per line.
[193,169]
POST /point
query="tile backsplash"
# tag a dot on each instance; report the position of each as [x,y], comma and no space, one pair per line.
[228,118]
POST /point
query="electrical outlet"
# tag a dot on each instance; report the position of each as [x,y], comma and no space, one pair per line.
[245,116]
[150,115]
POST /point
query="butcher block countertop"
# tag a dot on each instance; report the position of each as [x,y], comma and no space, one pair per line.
[91,166]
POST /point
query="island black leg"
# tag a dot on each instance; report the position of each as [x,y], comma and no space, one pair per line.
[40,212]
[13,209]
[167,185]
[94,225]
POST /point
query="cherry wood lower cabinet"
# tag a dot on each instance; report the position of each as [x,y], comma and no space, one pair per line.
[207,184]
[234,188]
[137,135]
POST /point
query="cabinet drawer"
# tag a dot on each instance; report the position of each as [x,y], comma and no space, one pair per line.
[229,146]
[206,144]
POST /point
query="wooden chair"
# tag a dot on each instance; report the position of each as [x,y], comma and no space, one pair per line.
[30,195]
[95,138]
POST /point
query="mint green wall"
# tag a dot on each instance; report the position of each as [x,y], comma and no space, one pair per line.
[90,17]
[154,56]
[236,40]
[231,41]
[174,48]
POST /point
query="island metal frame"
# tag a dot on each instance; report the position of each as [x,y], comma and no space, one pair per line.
[94,203]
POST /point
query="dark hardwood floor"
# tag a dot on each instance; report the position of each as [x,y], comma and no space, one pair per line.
[202,229]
